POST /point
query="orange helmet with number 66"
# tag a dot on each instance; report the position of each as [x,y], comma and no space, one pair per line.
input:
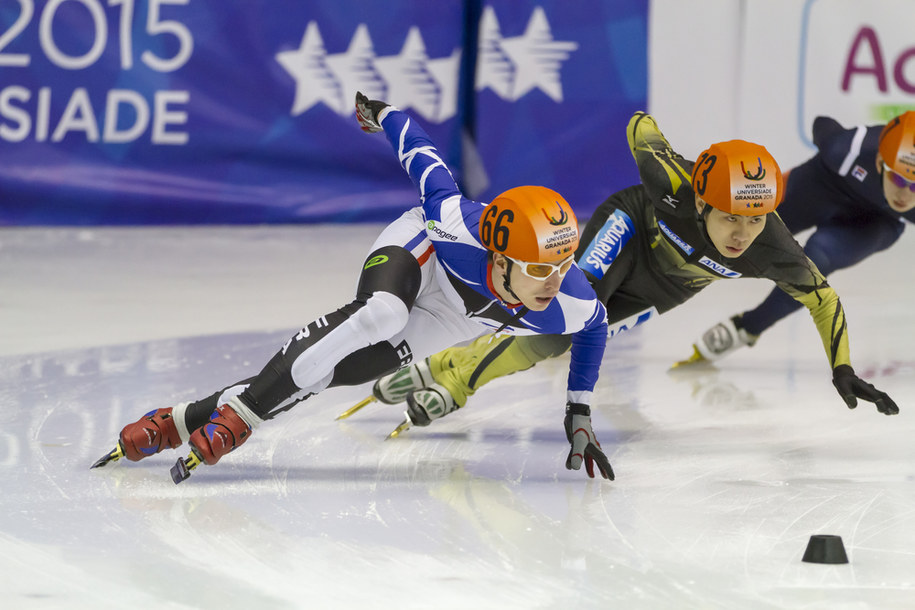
[532,224]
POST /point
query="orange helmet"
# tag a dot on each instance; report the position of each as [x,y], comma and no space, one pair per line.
[897,145]
[532,224]
[739,177]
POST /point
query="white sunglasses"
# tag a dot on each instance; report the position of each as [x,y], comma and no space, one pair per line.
[542,271]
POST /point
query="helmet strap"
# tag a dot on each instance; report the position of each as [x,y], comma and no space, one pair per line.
[706,210]
[701,218]
[506,279]
[506,284]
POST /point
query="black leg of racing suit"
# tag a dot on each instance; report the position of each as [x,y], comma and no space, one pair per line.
[352,338]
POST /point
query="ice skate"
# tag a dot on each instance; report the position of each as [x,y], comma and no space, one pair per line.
[225,432]
[719,341]
[394,387]
[423,406]
[147,436]
[112,456]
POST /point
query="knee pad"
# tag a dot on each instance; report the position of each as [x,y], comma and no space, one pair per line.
[383,316]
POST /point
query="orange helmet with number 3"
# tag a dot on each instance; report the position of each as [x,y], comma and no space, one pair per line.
[532,224]
[739,177]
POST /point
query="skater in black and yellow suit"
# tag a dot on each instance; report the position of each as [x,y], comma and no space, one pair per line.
[650,248]
[857,192]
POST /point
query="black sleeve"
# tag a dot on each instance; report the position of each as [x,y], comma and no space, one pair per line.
[824,128]
[665,173]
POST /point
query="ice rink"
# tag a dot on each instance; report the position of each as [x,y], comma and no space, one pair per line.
[722,474]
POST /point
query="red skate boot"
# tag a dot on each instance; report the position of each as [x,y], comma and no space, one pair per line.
[147,436]
[225,431]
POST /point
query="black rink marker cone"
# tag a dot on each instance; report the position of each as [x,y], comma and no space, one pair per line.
[824,548]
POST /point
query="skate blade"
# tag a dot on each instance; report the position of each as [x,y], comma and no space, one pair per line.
[403,427]
[181,471]
[695,358]
[356,407]
[112,456]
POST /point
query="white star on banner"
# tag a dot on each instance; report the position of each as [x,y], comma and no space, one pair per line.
[514,66]
[448,71]
[494,69]
[355,71]
[409,80]
[511,67]
[314,82]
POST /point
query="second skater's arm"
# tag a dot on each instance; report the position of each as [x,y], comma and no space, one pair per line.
[809,287]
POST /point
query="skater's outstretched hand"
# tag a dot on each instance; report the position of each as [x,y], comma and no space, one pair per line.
[585,447]
[367,112]
[851,388]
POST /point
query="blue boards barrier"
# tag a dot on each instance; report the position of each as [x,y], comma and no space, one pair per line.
[207,111]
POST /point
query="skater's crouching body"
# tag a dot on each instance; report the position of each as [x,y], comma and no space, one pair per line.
[441,274]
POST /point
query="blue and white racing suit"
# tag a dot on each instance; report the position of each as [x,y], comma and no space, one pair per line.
[424,287]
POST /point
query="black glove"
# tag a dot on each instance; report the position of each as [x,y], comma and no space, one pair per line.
[851,387]
[585,447]
[367,112]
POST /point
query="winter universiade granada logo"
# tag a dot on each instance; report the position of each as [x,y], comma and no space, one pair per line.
[760,171]
[510,67]
[563,216]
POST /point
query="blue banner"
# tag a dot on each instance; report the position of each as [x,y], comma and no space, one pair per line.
[207,111]
[556,85]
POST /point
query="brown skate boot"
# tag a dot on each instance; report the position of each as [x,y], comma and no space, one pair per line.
[147,436]
[225,431]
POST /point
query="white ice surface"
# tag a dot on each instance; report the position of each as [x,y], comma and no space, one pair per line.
[722,474]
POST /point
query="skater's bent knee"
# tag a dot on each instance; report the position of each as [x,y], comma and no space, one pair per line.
[541,347]
[383,316]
